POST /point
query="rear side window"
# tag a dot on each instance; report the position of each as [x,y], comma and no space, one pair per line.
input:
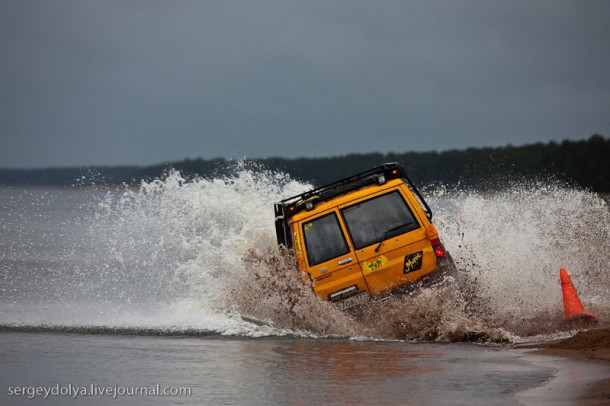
[324,239]
[378,219]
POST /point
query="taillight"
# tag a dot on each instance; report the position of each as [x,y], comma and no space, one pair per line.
[438,248]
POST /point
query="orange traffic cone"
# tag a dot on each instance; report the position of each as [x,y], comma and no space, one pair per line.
[574,312]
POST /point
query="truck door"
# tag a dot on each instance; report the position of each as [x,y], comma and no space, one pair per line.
[389,242]
[332,264]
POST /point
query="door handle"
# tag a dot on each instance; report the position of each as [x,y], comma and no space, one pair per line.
[345,261]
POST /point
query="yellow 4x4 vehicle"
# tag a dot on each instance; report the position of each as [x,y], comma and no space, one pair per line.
[362,237]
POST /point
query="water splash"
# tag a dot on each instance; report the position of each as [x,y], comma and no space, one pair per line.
[162,255]
[513,242]
[273,292]
[191,235]
[200,255]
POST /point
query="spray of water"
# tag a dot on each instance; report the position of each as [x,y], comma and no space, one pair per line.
[185,243]
[200,255]
[272,292]
[512,243]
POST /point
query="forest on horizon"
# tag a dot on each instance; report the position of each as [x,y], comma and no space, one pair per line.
[584,163]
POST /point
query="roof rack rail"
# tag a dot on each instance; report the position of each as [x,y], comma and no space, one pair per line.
[292,205]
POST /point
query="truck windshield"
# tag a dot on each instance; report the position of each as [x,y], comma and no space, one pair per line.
[378,219]
[324,239]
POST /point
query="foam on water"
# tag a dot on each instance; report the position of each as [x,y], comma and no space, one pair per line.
[200,255]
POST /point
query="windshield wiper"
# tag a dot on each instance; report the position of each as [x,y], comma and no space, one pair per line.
[388,232]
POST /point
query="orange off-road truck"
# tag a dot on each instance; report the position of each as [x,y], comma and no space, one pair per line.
[362,237]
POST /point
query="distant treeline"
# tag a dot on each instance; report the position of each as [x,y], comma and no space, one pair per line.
[584,163]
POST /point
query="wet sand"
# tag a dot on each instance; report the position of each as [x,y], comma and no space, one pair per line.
[590,344]
[578,360]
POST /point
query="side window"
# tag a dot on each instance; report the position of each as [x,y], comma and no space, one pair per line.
[378,219]
[324,239]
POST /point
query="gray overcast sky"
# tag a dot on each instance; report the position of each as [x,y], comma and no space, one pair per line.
[85,82]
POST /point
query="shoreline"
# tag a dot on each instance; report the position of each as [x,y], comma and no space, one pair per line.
[583,369]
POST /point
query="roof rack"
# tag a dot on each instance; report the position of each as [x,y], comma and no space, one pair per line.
[287,208]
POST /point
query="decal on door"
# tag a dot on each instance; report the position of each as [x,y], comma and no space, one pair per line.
[375,265]
[413,262]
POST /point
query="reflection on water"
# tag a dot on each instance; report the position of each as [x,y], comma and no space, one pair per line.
[352,373]
[269,371]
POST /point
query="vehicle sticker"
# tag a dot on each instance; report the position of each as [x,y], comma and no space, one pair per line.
[323,277]
[376,264]
[413,262]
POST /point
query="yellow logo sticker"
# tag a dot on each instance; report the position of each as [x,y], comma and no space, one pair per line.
[376,264]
